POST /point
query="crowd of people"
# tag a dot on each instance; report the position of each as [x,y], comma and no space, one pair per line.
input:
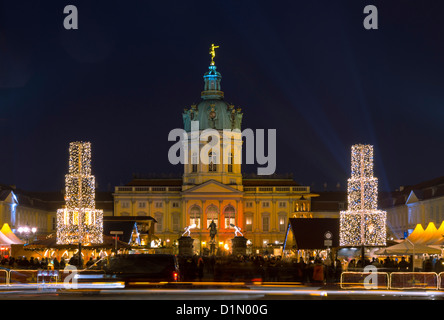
[388,264]
[313,270]
[263,268]
[258,268]
[34,263]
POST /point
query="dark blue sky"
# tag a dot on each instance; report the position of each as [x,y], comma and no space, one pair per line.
[306,68]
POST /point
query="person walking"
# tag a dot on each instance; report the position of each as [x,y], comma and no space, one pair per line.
[318,272]
[403,265]
[56,264]
[200,268]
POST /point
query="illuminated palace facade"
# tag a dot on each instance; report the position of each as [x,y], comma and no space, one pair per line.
[215,190]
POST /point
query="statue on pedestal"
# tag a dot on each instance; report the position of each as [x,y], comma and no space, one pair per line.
[239,242]
[187,230]
[213,229]
[213,232]
[237,230]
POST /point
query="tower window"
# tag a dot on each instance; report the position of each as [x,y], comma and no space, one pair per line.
[212,167]
[194,162]
[230,162]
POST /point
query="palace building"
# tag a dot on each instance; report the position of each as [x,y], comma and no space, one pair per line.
[215,190]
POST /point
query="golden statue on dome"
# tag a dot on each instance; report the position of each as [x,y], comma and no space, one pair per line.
[213,53]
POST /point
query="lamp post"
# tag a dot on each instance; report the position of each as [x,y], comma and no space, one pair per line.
[26,231]
[413,257]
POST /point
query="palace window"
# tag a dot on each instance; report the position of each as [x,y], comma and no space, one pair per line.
[175,221]
[266,223]
[159,204]
[229,214]
[195,213]
[194,162]
[212,167]
[230,162]
[142,204]
[125,204]
[248,223]
[159,225]
[282,222]
[212,215]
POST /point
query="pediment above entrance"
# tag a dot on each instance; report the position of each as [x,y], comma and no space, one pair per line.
[212,187]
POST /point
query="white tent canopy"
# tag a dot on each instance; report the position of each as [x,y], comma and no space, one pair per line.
[7,232]
[407,248]
[5,241]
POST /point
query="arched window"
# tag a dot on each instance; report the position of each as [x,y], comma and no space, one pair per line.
[195,213]
[212,215]
[229,215]
[212,159]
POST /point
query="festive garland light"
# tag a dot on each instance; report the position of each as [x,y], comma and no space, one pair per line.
[79,222]
[362,223]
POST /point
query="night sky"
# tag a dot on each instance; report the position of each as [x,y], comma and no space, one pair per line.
[308,69]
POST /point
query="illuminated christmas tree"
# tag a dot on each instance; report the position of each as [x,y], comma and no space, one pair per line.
[362,224]
[79,221]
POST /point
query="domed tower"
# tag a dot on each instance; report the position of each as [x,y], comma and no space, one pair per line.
[214,135]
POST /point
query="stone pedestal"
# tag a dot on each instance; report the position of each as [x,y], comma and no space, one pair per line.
[212,244]
[185,246]
[239,246]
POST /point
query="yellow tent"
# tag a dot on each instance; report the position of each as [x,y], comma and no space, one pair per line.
[6,230]
[417,233]
[428,236]
[439,236]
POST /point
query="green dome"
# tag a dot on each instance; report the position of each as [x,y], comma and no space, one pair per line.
[213,112]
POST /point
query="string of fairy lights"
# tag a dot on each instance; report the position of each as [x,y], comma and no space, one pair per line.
[362,223]
[79,221]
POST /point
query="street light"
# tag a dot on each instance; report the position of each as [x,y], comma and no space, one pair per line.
[413,256]
[26,231]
